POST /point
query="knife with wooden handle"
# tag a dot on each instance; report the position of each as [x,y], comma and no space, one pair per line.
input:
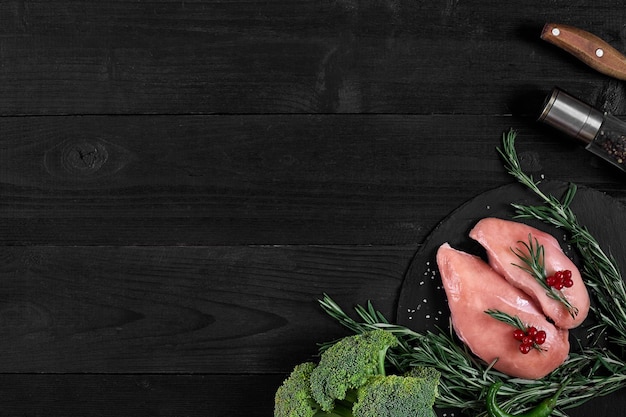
[587,47]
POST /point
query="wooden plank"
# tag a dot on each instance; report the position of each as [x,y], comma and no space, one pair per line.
[137,395]
[183,310]
[93,57]
[282,179]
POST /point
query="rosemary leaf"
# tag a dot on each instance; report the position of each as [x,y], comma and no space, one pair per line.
[512,321]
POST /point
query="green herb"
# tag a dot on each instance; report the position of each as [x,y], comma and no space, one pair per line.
[533,258]
[512,321]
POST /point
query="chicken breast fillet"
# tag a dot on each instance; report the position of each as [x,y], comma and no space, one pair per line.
[472,287]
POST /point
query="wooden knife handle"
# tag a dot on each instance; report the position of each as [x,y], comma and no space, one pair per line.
[587,47]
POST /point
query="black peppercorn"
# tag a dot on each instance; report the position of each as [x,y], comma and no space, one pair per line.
[602,134]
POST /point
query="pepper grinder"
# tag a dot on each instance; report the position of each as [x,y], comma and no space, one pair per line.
[602,134]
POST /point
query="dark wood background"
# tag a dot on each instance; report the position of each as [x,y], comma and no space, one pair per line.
[180,181]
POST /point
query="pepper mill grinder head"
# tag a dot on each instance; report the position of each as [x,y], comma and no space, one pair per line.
[571,116]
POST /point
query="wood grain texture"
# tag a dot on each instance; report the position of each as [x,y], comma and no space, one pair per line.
[283,179]
[93,57]
[138,395]
[180,181]
[221,310]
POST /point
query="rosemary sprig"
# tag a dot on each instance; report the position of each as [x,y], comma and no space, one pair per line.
[600,270]
[512,321]
[515,322]
[533,258]
[534,263]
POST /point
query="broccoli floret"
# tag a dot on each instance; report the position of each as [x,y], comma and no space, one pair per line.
[293,397]
[431,375]
[348,364]
[351,381]
[397,396]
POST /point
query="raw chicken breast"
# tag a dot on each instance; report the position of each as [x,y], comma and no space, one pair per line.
[499,236]
[472,287]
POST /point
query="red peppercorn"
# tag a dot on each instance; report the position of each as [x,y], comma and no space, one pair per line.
[560,279]
[540,337]
[529,339]
[518,334]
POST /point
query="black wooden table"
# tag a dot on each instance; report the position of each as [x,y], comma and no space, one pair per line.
[180,181]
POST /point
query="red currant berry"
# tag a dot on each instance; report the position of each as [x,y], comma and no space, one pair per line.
[518,334]
[558,275]
[567,274]
[531,332]
[540,337]
[568,283]
[551,280]
[524,348]
[527,340]
[558,285]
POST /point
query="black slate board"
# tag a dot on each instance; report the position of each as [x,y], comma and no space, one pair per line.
[422,302]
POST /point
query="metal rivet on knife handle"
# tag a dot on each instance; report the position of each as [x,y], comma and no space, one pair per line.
[588,48]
